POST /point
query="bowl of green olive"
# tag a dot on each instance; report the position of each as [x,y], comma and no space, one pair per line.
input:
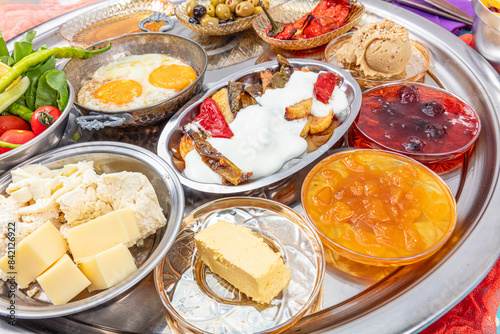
[220,17]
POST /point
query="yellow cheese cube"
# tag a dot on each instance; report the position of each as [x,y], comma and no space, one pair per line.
[108,268]
[34,254]
[63,281]
[102,233]
[240,257]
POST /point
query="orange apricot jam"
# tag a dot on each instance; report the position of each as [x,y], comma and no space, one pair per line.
[378,207]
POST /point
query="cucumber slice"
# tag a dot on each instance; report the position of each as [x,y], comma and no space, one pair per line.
[13,94]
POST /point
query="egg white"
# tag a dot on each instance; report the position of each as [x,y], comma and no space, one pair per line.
[137,68]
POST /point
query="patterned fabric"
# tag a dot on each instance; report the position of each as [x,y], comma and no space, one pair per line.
[21,15]
[476,313]
[450,25]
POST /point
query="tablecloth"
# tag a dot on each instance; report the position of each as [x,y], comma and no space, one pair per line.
[476,313]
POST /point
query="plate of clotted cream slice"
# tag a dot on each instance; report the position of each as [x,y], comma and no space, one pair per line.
[212,281]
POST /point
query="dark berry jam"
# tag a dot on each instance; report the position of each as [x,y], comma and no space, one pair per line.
[417,120]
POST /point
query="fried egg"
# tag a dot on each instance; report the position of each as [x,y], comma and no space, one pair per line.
[135,81]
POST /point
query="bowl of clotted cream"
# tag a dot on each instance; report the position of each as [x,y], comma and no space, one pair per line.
[259,126]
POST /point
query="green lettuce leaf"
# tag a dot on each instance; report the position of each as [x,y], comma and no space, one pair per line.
[34,74]
[52,90]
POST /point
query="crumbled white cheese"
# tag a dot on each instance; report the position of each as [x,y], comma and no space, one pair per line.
[81,205]
[133,190]
[47,185]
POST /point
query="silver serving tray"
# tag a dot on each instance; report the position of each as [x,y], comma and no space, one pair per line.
[410,298]
[173,131]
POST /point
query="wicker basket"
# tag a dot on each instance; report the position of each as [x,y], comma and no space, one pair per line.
[218,29]
[291,11]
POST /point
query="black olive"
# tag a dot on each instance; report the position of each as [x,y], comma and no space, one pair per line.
[194,20]
[199,11]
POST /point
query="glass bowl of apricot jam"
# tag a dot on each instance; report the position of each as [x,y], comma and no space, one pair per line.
[378,207]
[428,124]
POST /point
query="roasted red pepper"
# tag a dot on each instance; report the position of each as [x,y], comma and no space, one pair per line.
[324,86]
[286,34]
[278,30]
[327,16]
[212,120]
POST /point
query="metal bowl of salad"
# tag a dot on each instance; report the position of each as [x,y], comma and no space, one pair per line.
[45,141]
[247,160]
[35,99]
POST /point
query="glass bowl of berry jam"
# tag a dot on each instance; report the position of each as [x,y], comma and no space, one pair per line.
[377,207]
[426,123]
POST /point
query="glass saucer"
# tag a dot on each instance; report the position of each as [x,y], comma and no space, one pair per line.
[203,302]
[414,72]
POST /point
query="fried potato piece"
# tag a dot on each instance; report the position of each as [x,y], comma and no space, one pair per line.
[221,98]
[319,124]
[299,110]
[186,145]
[305,129]
[316,140]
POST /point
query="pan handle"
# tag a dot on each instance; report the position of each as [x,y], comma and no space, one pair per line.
[97,121]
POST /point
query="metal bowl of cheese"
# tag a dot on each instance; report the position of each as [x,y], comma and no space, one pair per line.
[108,157]
[177,47]
[168,144]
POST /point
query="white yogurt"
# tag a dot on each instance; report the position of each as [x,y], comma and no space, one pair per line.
[197,170]
[263,139]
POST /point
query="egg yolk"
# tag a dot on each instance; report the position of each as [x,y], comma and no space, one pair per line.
[118,92]
[172,76]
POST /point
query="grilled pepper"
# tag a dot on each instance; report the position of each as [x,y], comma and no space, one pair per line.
[42,55]
[324,86]
[283,31]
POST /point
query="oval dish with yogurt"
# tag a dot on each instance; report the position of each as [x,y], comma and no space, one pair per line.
[265,122]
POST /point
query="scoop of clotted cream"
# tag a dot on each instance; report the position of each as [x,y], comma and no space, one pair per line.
[379,49]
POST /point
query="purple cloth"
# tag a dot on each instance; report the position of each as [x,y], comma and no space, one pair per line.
[453,26]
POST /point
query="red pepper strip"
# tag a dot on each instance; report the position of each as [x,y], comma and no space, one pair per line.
[287,33]
[212,120]
[324,86]
[301,25]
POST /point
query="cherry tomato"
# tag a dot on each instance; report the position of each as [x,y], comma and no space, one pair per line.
[44,117]
[11,122]
[15,137]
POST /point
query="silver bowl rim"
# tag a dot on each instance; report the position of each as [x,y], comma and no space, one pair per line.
[485,15]
[64,116]
[173,125]
[138,35]
[164,171]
